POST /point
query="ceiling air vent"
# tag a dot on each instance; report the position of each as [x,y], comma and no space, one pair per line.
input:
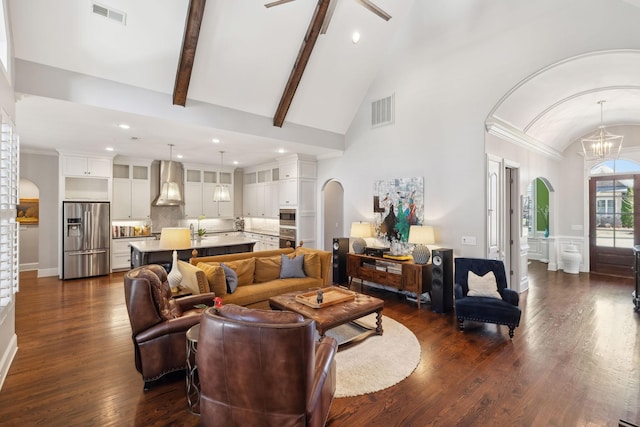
[112,14]
[383,111]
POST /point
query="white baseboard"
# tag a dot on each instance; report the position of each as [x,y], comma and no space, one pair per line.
[7,359]
[28,266]
[46,272]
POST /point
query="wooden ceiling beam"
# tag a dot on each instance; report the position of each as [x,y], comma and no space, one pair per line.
[188,51]
[299,66]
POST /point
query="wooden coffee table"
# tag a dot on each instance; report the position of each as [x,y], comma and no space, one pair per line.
[335,315]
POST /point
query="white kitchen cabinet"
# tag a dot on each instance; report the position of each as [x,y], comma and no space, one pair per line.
[271,200]
[131,191]
[200,185]
[288,169]
[294,170]
[193,194]
[84,177]
[121,206]
[288,192]
[264,242]
[86,166]
[121,252]
[260,191]
[261,200]
[271,242]
[249,205]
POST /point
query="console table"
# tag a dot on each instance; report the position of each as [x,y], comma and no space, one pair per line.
[402,275]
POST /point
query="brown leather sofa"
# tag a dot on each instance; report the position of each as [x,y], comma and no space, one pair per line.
[263,368]
[159,322]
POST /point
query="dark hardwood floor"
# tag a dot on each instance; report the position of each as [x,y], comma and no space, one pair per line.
[574,361]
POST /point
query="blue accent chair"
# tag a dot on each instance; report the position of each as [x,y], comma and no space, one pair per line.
[503,311]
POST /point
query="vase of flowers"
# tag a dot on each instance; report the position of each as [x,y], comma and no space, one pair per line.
[201,230]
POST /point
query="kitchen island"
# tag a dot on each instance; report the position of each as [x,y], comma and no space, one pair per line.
[150,252]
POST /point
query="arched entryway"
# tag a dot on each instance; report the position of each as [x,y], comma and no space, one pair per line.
[536,218]
[28,218]
[332,213]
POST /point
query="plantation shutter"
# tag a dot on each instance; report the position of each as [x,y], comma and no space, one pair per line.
[8,200]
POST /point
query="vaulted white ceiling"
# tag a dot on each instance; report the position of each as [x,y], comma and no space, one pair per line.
[244,57]
[243,60]
[559,104]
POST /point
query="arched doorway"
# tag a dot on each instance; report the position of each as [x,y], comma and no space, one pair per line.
[332,212]
[536,218]
[28,218]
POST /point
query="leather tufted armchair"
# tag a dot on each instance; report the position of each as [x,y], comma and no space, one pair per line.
[263,368]
[501,311]
[159,322]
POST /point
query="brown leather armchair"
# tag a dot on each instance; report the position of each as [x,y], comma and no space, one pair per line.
[263,368]
[158,322]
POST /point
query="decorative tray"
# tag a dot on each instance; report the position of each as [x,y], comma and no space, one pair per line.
[398,257]
[330,296]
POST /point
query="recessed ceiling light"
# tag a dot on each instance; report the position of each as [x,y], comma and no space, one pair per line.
[235,162]
[110,149]
[179,156]
[281,151]
[215,140]
[355,37]
[124,126]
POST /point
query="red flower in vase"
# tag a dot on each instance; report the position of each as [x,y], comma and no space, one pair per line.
[217,302]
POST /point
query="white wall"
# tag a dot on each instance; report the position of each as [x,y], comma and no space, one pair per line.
[444,92]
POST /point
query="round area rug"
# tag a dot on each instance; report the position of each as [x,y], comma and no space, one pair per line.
[377,362]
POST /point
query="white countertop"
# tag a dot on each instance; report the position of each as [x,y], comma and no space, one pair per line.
[207,242]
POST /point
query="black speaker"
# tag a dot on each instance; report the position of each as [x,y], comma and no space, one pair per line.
[442,280]
[339,260]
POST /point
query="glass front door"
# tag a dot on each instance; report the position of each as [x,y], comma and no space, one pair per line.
[613,225]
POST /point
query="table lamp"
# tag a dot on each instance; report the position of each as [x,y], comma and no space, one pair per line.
[360,230]
[421,235]
[175,238]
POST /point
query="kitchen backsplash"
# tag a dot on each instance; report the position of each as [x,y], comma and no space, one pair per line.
[165,216]
[172,216]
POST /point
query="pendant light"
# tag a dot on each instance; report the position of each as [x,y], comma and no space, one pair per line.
[601,144]
[221,193]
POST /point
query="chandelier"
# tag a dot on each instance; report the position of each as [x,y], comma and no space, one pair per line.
[601,144]
[221,193]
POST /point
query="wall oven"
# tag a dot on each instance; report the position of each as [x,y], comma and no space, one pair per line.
[288,217]
[287,237]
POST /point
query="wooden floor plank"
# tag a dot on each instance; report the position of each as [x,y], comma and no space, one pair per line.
[574,361]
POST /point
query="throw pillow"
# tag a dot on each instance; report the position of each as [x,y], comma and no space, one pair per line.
[267,269]
[312,262]
[244,268]
[215,277]
[232,278]
[291,267]
[483,286]
[311,265]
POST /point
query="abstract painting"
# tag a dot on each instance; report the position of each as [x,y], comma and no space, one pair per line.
[397,205]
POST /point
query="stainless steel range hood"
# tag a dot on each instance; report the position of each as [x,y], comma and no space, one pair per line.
[171,184]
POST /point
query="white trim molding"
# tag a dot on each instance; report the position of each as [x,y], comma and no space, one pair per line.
[510,133]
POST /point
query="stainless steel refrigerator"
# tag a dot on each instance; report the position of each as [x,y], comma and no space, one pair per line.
[86,237]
